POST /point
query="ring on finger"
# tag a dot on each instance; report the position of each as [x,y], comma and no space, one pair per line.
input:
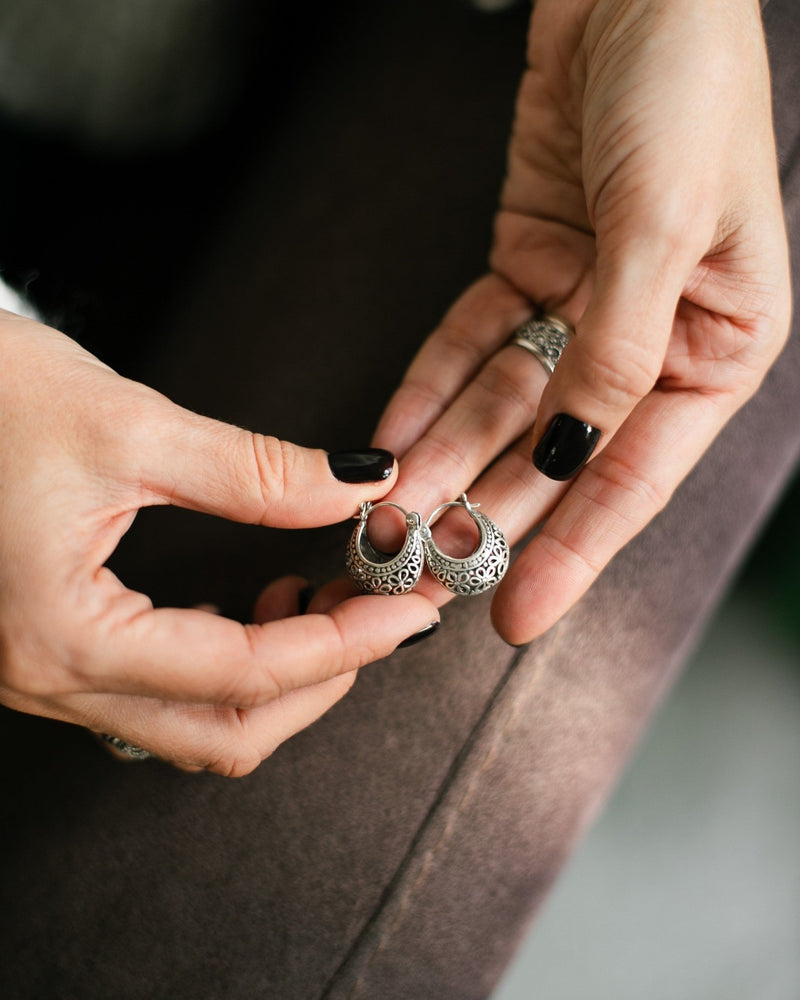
[545,336]
[123,747]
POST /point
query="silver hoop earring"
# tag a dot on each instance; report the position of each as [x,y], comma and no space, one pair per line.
[378,572]
[478,572]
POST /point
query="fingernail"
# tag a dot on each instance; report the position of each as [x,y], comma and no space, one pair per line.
[304,598]
[370,465]
[423,633]
[566,446]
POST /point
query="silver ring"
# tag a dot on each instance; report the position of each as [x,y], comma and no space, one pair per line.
[545,337]
[129,749]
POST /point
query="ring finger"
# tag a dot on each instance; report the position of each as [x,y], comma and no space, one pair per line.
[494,409]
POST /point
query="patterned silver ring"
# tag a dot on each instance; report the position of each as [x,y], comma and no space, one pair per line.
[129,749]
[545,337]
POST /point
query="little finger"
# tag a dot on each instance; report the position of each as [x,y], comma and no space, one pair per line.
[609,502]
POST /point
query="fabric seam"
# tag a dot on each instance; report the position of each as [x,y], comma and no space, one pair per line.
[393,885]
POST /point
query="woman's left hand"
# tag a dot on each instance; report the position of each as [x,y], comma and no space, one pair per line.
[641,204]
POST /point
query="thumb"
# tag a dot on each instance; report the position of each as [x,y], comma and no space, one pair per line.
[612,362]
[203,464]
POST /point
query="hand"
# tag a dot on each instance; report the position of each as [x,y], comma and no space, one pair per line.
[81,449]
[642,204]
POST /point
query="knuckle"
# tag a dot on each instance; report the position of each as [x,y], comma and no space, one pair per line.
[238,764]
[502,385]
[248,687]
[519,474]
[610,493]
[568,554]
[359,656]
[237,755]
[445,460]
[455,337]
[668,225]
[274,461]
[612,483]
[622,379]
[417,394]
[348,656]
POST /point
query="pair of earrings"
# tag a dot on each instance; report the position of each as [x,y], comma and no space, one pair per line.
[379,573]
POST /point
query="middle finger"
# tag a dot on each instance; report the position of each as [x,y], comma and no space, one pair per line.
[489,415]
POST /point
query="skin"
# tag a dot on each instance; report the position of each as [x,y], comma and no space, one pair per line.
[642,204]
[194,688]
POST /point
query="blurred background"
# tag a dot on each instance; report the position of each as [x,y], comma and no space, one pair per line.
[688,887]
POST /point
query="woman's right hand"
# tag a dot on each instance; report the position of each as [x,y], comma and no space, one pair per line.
[81,450]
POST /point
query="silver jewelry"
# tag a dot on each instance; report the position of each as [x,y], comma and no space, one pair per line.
[134,752]
[478,572]
[378,572]
[545,337]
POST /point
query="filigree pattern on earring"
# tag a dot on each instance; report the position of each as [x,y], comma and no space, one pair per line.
[478,572]
[377,572]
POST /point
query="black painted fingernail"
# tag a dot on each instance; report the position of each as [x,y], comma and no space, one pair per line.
[566,446]
[423,633]
[370,465]
[304,599]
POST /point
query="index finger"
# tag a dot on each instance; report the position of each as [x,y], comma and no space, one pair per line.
[195,656]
